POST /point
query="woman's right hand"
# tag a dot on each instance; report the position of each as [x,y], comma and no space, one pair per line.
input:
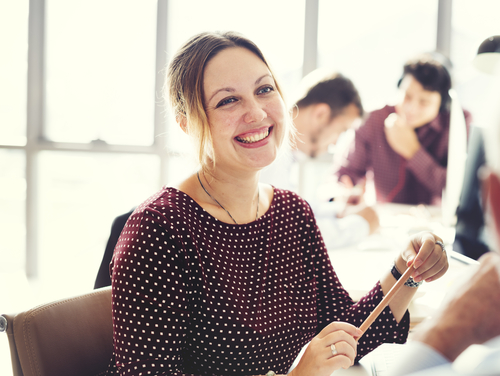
[318,359]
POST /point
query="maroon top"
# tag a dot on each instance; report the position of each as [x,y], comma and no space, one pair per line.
[419,180]
[195,295]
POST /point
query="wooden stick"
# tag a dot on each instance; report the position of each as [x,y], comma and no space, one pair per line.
[386,300]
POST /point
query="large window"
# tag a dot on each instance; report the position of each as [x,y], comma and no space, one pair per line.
[96,139]
[100,71]
[79,195]
[12,209]
[13,78]
[369,41]
[473,22]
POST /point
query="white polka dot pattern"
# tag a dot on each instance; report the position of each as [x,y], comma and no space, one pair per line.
[194,295]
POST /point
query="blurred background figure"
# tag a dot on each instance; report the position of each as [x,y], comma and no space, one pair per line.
[327,105]
[471,315]
[470,235]
[406,145]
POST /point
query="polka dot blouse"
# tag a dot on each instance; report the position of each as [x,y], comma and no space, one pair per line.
[196,296]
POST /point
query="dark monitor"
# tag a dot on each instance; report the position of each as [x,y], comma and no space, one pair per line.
[469,235]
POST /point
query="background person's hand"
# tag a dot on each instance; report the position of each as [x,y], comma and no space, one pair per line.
[401,137]
[471,315]
[318,359]
[367,212]
[354,193]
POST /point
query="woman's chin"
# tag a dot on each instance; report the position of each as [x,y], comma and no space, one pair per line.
[265,161]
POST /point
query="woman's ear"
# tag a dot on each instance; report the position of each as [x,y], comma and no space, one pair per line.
[182,121]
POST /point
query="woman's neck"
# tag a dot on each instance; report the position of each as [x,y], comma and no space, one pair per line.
[230,195]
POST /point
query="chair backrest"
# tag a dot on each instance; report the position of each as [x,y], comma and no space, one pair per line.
[68,337]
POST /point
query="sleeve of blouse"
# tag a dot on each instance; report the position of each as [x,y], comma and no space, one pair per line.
[149,303]
[335,304]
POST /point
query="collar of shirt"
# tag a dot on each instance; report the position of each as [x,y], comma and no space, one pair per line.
[434,126]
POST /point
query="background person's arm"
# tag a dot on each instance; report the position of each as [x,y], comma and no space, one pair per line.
[471,316]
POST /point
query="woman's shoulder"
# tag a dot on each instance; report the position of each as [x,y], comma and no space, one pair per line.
[286,199]
[168,202]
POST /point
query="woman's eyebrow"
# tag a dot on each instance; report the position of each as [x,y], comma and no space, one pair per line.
[232,90]
[228,89]
[261,78]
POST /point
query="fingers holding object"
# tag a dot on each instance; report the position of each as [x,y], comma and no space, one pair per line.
[435,271]
[343,352]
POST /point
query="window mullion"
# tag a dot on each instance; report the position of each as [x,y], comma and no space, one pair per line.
[161,61]
[443,38]
[310,60]
[34,127]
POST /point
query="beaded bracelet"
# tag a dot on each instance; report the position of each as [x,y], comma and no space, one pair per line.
[271,373]
[410,282]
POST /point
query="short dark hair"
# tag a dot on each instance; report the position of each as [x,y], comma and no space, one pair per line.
[337,91]
[431,71]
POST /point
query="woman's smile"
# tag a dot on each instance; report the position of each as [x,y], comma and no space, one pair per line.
[253,137]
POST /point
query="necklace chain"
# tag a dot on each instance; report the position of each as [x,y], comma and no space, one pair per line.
[218,203]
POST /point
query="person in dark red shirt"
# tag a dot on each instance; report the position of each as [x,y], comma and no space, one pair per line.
[406,146]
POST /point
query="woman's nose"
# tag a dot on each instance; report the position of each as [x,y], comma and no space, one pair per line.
[255,113]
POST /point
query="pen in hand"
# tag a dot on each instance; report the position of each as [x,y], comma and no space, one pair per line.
[386,300]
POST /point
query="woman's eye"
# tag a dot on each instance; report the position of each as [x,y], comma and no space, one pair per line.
[225,101]
[265,90]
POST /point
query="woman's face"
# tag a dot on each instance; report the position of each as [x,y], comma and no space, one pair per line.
[245,111]
[419,106]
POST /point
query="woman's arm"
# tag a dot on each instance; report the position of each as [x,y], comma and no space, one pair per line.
[430,262]
[150,304]
[334,303]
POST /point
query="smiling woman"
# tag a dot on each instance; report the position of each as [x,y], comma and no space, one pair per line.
[210,95]
[224,275]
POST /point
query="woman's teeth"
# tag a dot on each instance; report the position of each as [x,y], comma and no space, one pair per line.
[254,138]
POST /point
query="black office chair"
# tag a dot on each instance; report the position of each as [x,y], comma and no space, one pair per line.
[103,278]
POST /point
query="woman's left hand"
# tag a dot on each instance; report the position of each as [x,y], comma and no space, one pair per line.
[428,258]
